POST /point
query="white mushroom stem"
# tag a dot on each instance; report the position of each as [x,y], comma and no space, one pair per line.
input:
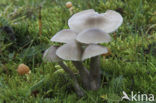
[95,73]
[84,73]
[76,85]
[71,10]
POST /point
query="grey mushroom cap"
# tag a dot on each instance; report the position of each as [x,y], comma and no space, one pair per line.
[114,21]
[64,36]
[93,50]
[93,36]
[50,55]
[108,21]
[70,51]
[77,21]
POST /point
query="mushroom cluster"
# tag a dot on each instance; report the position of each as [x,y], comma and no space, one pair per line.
[82,41]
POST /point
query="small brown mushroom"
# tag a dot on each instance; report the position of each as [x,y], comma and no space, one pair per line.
[69,4]
[23,69]
[70,7]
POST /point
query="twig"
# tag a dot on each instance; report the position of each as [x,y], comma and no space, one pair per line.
[40,21]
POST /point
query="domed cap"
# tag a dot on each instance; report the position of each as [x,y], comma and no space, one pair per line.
[64,36]
[68,4]
[23,69]
[93,36]
[93,50]
[50,55]
[69,51]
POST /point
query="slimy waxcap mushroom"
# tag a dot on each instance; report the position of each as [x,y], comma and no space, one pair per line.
[77,21]
[50,55]
[108,21]
[93,36]
[113,21]
[70,51]
[64,36]
[93,50]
